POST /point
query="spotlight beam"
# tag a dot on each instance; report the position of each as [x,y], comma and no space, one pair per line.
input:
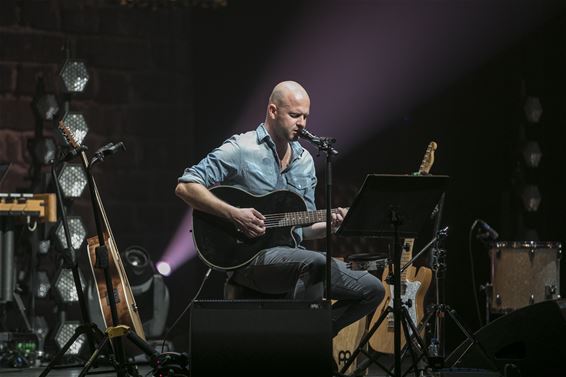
[181,247]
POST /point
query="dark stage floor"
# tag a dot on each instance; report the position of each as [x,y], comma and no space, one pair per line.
[145,371]
[65,372]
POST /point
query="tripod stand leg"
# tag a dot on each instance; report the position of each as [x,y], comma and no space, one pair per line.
[415,330]
[94,356]
[83,329]
[364,364]
[117,333]
[470,336]
[364,341]
[410,346]
[411,339]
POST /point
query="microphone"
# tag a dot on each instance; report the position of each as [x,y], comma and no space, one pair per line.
[110,149]
[309,136]
[107,150]
[321,142]
[488,231]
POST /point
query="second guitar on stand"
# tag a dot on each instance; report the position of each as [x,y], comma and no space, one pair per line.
[414,283]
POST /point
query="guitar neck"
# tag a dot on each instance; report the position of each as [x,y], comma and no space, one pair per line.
[111,242]
[276,220]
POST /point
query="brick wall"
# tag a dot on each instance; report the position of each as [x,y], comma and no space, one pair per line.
[139,93]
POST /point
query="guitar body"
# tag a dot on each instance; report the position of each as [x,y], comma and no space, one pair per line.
[221,246]
[125,303]
[416,286]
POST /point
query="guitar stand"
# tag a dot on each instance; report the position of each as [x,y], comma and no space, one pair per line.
[413,341]
[115,334]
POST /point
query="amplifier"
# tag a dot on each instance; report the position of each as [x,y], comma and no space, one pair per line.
[260,337]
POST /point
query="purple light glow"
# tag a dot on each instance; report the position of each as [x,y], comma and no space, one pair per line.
[365,63]
[181,247]
[163,268]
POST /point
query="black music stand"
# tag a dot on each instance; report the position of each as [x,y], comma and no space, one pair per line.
[392,206]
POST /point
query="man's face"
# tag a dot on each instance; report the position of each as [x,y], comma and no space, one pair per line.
[291,116]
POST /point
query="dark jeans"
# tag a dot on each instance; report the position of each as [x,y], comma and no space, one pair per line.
[299,274]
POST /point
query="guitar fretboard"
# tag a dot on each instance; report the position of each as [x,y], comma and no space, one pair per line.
[275,220]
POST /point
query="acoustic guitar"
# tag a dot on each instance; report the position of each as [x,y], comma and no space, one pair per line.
[222,247]
[126,307]
[414,285]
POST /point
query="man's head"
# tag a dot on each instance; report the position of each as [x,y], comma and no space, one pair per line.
[287,111]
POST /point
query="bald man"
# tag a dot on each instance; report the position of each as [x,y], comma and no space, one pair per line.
[262,161]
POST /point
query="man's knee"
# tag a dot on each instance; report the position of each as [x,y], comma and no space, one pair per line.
[315,267]
[373,290]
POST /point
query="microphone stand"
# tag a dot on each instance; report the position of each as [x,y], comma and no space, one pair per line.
[324,144]
[93,333]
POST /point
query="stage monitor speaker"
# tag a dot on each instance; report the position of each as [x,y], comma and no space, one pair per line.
[260,338]
[526,342]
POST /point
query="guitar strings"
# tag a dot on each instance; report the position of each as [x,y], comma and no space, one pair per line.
[291,218]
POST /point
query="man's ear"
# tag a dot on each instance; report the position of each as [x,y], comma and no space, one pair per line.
[272,110]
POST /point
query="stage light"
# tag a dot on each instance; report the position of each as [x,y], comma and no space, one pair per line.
[533,109]
[65,332]
[43,149]
[42,284]
[46,106]
[72,180]
[149,289]
[138,265]
[76,123]
[531,198]
[164,268]
[77,230]
[532,154]
[74,76]
[65,286]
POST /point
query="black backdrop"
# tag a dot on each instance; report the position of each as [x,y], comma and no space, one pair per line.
[476,122]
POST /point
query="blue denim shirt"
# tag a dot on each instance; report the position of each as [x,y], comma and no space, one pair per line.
[249,161]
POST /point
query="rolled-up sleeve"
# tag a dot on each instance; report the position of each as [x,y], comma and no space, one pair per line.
[218,166]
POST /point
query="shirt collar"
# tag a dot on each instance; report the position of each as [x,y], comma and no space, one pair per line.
[263,136]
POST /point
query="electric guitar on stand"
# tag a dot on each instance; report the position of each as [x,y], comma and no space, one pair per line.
[414,284]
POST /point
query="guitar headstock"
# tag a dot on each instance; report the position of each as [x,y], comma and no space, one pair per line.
[68,135]
[408,245]
[428,158]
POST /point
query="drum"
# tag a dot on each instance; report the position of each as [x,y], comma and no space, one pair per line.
[346,342]
[366,262]
[523,273]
